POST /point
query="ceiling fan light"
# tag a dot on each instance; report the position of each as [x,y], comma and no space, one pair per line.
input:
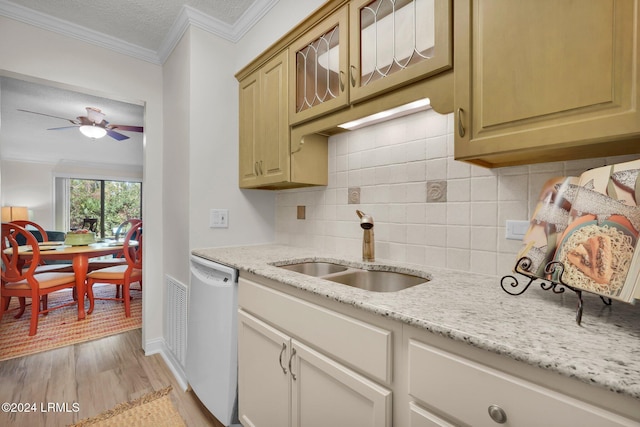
[93,132]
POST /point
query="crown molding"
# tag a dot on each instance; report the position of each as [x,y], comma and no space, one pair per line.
[188,16]
[60,26]
[192,17]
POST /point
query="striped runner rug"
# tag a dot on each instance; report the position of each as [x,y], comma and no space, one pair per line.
[61,327]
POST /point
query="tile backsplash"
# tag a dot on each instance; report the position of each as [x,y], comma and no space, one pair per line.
[428,208]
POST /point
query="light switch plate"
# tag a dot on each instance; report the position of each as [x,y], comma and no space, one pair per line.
[516,229]
[219,218]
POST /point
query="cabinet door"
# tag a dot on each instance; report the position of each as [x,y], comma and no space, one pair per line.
[263,377]
[248,130]
[326,393]
[545,80]
[273,163]
[319,69]
[396,42]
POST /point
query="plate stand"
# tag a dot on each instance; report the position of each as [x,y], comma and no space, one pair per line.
[511,285]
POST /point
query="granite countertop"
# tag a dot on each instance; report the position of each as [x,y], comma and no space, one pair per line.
[537,327]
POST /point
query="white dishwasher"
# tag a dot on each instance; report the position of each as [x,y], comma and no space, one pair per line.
[212,328]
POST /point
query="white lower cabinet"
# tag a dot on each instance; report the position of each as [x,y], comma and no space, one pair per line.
[306,361]
[469,393]
[283,382]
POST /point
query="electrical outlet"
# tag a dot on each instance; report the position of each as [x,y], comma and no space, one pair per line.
[516,229]
[219,218]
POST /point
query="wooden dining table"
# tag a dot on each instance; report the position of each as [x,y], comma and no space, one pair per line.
[79,256]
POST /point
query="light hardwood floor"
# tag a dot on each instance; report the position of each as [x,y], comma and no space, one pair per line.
[96,376]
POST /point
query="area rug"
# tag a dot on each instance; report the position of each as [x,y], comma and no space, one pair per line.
[61,327]
[151,410]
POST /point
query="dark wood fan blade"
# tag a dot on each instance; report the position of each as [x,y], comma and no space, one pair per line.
[116,135]
[48,115]
[128,128]
[64,127]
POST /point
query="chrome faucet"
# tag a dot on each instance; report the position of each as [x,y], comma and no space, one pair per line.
[368,243]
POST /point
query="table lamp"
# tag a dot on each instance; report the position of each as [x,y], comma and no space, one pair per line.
[14,213]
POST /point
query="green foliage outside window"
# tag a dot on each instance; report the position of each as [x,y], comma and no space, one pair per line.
[122,201]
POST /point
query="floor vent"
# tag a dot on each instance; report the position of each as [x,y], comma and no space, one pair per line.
[176,319]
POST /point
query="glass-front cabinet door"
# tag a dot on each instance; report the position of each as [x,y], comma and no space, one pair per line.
[318,66]
[396,42]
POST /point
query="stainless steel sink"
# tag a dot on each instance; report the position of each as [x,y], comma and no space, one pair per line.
[316,269]
[377,281]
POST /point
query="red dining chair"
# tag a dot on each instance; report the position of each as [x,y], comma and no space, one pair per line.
[118,258]
[25,282]
[121,275]
[42,266]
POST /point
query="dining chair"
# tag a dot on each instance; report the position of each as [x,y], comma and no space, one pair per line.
[44,237]
[90,224]
[121,275]
[25,282]
[118,258]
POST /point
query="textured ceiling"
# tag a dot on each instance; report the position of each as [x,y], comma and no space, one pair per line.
[144,23]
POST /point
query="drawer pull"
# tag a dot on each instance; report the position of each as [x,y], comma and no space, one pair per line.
[284,347]
[293,353]
[497,414]
[461,130]
[352,70]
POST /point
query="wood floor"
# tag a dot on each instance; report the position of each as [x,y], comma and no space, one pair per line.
[92,376]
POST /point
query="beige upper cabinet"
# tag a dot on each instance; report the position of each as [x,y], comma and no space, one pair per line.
[396,42]
[319,68]
[264,126]
[365,49]
[546,80]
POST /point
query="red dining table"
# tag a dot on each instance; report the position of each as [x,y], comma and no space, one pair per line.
[79,256]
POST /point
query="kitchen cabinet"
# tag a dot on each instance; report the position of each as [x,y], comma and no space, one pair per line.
[319,62]
[394,43]
[285,382]
[409,376]
[264,127]
[548,80]
[470,393]
[365,49]
[265,156]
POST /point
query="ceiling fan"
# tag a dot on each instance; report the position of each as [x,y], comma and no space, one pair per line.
[93,125]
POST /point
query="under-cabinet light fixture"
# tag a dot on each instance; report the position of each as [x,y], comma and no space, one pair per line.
[393,113]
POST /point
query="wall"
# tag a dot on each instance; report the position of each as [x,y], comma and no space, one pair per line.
[392,163]
[30,52]
[32,184]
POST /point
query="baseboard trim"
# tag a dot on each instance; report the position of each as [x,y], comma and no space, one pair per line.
[158,346]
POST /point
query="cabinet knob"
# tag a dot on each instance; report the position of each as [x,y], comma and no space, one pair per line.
[497,414]
[461,130]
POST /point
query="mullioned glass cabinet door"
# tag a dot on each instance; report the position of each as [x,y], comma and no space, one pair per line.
[397,42]
[318,69]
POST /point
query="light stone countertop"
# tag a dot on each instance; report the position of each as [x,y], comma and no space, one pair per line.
[537,327]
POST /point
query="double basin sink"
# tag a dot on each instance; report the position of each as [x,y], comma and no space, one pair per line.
[370,280]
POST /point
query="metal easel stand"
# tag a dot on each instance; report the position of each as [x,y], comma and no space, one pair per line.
[511,285]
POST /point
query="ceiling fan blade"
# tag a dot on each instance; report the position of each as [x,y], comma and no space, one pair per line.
[48,115]
[116,135]
[127,128]
[64,127]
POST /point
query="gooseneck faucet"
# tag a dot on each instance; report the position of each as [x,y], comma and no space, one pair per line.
[368,243]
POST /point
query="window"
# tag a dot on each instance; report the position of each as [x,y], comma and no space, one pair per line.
[109,202]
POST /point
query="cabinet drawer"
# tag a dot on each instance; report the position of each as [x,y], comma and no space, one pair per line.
[420,417]
[362,346]
[465,390]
